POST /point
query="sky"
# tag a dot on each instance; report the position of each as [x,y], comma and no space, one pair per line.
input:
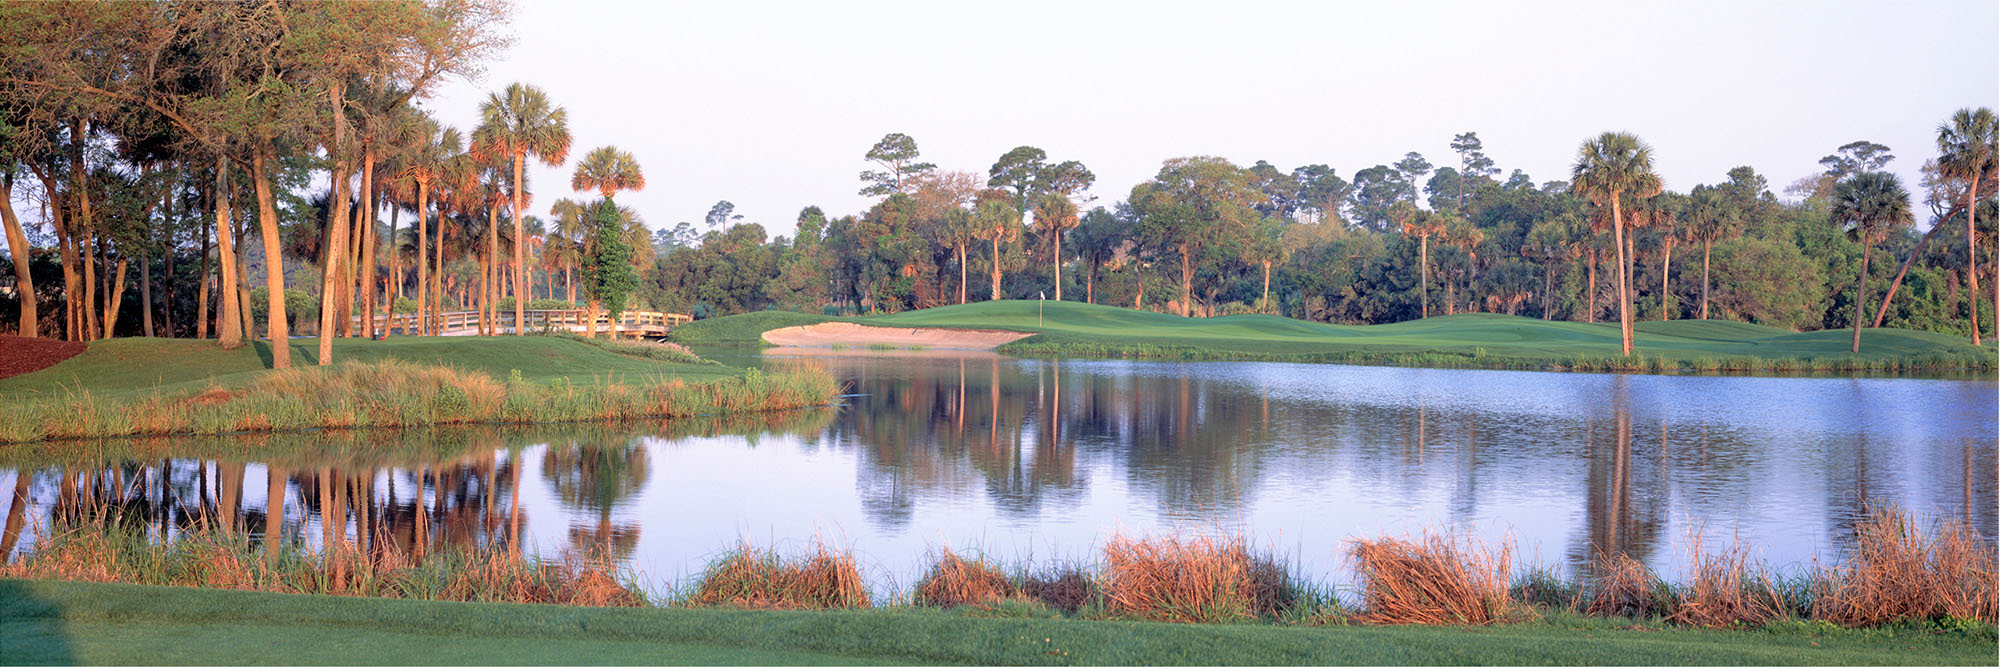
[772,105]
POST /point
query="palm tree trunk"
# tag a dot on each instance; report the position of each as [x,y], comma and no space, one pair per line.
[1187,282]
[337,223]
[145,297]
[201,287]
[114,296]
[1972,256]
[1624,277]
[438,278]
[1267,284]
[961,272]
[1860,297]
[520,252]
[1883,311]
[996,267]
[368,243]
[1548,280]
[423,265]
[1705,247]
[1590,288]
[229,318]
[1056,258]
[17,246]
[274,273]
[1666,271]
[1424,278]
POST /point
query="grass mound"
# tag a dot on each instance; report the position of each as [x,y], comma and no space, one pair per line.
[1434,579]
[761,579]
[953,581]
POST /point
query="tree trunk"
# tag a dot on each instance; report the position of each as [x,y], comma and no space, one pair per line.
[335,251]
[24,282]
[1187,282]
[368,243]
[1972,257]
[1706,246]
[146,296]
[996,267]
[1056,257]
[437,278]
[520,252]
[1624,277]
[1548,281]
[423,264]
[1267,285]
[961,273]
[275,326]
[201,286]
[81,224]
[1666,270]
[1860,296]
[394,290]
[489,285]
[114,296]
[1424,277]
[230,320]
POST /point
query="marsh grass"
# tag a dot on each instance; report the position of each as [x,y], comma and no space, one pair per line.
[1900,570]
[1199,579]
[761,578]
[1436,579]
[394,393]
[953,581]
[105,552]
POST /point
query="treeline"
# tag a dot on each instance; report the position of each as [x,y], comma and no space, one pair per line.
[1205,236]
[198,169]
[159,139]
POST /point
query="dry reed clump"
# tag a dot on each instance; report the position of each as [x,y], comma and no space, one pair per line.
[204,559]
[1195,580]
[1899,571]
[1436,579]
[1622,586]
[759,578]
[1726,591]
[954,581]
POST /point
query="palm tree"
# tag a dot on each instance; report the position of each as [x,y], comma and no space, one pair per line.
[428,164]
[521,122]
[996,220]
[1710,218]
[570,217]
[607,170]
[1054,213]
[1966,152]
[1422,225]
[1608,168]
[1869,206]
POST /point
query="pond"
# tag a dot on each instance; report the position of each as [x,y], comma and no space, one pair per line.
[1038,460]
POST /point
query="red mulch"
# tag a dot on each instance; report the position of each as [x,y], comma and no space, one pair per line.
[20,355]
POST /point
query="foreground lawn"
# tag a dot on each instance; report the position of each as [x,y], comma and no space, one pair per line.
[57,622]
[1477,339]
[129,367]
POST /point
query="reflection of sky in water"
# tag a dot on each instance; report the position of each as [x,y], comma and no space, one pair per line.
[1042,460]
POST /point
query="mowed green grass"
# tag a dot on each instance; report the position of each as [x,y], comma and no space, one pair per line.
[66,622]
[128,367]
[1061,324]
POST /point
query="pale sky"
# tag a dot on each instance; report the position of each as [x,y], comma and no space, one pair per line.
[771,105]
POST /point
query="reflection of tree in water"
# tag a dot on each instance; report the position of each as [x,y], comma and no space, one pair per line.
[598,479]
[1624,491]
[1190,441]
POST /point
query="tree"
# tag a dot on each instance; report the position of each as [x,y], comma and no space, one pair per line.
[1322,191]
[1608,168]
[1377,189]
[1473,165]
[996,221]
[721,215]
[607,271]
[897,153]
[1552,241]
[1710,218]
[432,163]
[608,171]
[1423,225]
[1194,203]
[1868,206]
[520,122]
[1099,236]
[1019,170]
[1857,157]
[1054,214]
[1410,171]
[17,241]
[1966,153]
[1266,247]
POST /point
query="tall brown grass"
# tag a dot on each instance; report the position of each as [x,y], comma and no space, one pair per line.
[760,578]
[395,393]
[1900,571]
[1191,580]
[1440,579]
[1726,590]
[1622,586]
[953,581]
[206,559]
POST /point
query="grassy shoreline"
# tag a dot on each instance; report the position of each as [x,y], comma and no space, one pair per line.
[200,389]
[67,622]
[1067,329]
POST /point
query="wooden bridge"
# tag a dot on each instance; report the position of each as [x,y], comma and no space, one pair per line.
[634,323]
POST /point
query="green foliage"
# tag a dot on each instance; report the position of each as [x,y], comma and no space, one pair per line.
[607,272]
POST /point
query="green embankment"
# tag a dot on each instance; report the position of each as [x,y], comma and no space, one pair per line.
[84,623]
[130,367]
[1478,340]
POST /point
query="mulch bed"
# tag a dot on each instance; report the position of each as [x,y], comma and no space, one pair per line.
[20,355]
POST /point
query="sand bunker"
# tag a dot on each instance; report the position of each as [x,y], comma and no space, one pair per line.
[828,334]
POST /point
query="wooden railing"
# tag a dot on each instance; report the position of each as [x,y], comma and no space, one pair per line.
[466,322]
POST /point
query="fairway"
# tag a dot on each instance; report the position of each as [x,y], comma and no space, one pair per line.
[1470,339]
[128,367]
[56,622]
